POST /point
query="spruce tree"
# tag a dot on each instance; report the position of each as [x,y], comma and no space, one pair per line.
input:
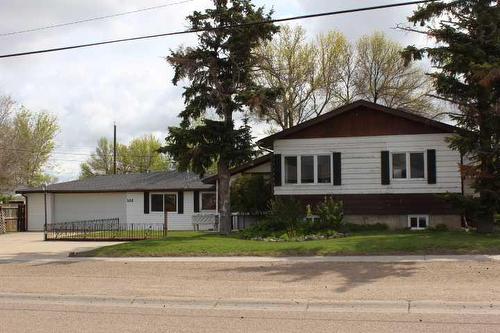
[220,76]
[466,57]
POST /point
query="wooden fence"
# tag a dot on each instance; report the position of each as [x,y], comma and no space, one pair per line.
[12,217]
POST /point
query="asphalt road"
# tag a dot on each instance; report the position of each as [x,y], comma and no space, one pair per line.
[58,318]
[131,296]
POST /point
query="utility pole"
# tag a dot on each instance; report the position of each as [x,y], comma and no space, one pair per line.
[114,148]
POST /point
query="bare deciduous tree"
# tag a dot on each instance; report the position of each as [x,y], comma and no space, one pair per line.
[382,77]
[312,77]
[306,74]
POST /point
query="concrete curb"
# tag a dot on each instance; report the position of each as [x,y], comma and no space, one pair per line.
[396,306]
[382,259]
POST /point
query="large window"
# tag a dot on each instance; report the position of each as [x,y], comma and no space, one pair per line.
[208,200]
[291,169]
[157,202]
[417,165]
[307,169]
[324,169]
[399,165]
[170,202]
[408,165]
[164,202]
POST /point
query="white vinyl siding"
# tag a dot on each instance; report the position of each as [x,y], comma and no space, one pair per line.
[361,165]
[135,212]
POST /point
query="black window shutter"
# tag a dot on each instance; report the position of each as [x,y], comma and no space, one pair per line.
[384,158]
[180,202]
[146,202]
[277,169]
[337,169]
[431,166]
[196,201]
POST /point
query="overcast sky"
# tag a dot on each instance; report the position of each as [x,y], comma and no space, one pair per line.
[130,83]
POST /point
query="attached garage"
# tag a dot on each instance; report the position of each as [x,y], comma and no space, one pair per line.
[131,198]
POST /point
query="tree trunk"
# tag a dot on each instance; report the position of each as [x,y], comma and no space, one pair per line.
[224,197]
[486,216]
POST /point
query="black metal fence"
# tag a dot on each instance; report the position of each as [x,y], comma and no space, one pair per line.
[104,229]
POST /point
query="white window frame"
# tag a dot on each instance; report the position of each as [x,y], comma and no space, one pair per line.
[418,216]
[163,194]
[299,169]
[408,166]
[201,201]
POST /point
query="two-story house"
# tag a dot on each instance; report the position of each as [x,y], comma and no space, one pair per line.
[386,165]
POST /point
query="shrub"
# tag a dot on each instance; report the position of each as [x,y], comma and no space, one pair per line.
[439,227]
[353,227]
[331,214]
[286,214]
[264,228]
[468,206]
[251,194]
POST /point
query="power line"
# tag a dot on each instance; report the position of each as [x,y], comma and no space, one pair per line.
[93,19]
[77,154]
[183,32]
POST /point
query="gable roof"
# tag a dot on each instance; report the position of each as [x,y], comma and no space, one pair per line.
[440,126]
[241,168]
[132,182]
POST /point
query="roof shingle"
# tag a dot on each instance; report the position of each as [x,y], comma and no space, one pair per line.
[133,182]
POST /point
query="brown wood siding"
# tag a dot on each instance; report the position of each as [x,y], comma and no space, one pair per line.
[386,204]
[363,121]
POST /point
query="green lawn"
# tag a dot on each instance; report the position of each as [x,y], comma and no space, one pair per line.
[405,242]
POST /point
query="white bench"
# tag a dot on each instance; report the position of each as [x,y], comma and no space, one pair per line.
[210,221]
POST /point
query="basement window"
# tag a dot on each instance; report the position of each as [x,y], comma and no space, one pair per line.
[418,222]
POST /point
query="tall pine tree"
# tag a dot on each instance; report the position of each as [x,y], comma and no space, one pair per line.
[220,75]
[467,60]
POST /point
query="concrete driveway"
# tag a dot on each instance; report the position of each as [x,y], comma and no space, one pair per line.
[30,245]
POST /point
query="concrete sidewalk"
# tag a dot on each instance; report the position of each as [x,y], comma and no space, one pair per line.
[319,259]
